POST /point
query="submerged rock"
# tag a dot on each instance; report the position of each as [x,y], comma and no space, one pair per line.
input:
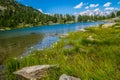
[53,34]
[63,35]
[66,77]
[2,72]
[33,33]
[34,72]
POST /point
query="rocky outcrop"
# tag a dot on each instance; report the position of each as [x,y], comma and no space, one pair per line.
[38,72]
[34,72]
[66,77]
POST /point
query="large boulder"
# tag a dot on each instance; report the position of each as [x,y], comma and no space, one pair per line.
[34,72]
[66,77]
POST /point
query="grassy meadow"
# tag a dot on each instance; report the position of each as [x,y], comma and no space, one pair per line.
[90,55]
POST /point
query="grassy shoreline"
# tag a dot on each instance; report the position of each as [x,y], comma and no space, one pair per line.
[30,26]
[90,55]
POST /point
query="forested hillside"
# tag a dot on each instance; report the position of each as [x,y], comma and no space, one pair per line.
[89,18]
[14,15]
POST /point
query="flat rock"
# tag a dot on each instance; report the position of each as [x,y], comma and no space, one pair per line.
[66,77]
[34,72]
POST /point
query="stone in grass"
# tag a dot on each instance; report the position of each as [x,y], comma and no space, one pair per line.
[91,38]
[68,46]
[82,30]
[66,77]
[63,35]
[34,72]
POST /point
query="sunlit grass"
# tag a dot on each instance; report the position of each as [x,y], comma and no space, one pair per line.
[97,59]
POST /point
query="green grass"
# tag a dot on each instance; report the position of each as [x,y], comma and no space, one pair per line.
[97,59]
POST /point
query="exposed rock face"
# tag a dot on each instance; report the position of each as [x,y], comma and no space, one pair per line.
[66,77]
[34,72]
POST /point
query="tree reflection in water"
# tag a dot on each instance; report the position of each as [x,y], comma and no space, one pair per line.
[14,46]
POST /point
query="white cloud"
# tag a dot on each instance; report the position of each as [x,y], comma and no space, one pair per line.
[79,5]
[119,2]
[107,4]
[109,8]
[40,10]
[87,7]
[116,8]
[44,12]
[94,5]
[97,9]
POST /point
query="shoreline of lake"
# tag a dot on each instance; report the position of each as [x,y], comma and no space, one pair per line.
[13,38]
[92,50]
[8,29]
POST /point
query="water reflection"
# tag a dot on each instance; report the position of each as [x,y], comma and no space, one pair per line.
[14,42]
[14,46]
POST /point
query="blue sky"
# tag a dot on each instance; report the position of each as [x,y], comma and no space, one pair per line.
[71,6]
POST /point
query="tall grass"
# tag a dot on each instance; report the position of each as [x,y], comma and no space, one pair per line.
[98,59]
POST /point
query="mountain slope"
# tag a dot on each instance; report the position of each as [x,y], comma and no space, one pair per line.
[97,12]
[14,14]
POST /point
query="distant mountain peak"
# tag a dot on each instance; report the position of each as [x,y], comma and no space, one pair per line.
[95,12]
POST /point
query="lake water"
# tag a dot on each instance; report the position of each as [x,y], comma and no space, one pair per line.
[18,41]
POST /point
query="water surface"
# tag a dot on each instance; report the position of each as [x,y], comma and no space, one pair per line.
[18,41]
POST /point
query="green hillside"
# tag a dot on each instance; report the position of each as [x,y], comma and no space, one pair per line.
[13,14]
[16,15]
